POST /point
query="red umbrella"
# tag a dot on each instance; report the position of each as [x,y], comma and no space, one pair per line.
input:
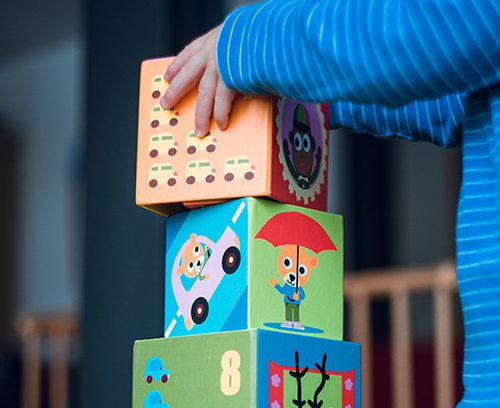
[297,229]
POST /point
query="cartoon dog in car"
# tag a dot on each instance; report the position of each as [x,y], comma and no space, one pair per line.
[294,278]
[194,259]
[199,258]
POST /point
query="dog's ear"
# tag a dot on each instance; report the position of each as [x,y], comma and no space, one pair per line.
[192,237]
[314,262]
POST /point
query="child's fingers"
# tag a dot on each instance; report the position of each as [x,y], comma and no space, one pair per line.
[183,82]
[205,102]
[180,60]
[223,101]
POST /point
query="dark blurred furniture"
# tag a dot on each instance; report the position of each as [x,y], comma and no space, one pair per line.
[9,359]
[46,338]
[8,177]
[403,371]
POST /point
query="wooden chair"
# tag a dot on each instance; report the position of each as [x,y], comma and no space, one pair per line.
[398,285]
[56,331]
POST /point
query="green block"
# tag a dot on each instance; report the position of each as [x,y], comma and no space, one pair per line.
[259,284]
[246,369]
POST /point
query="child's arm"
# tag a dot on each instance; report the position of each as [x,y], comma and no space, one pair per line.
[389,52]
[438,121]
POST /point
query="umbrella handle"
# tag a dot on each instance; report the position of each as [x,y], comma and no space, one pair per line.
[297,272]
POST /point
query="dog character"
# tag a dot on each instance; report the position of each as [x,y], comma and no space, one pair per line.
[295,267]
[194,259]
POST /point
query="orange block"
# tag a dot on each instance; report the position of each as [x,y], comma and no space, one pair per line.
[274,147]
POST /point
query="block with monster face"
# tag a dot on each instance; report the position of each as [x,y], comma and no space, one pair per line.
[274,147]
[254,263]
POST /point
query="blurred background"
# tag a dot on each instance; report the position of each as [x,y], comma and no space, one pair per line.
[81,267]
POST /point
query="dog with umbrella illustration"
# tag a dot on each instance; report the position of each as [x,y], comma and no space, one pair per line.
[293,233]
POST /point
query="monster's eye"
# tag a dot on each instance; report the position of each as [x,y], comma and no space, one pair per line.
[287,262]
[196,250]
[190,266]
[297,141]
[306,142]
[302,270]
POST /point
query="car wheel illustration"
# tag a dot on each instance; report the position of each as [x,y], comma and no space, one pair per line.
[249,175]
[231,260]
[229,177]
[149,379]
[199,310]
[156,94]
[172,151]
[173,122]
[190,180]
[171,182]
[210,148]
[155,124]
[210,178]
[153,183]
[153,153]
[164,378]
[191,150]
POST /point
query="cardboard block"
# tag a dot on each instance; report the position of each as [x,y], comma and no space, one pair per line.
[247,369]
[254,263]
[273,147]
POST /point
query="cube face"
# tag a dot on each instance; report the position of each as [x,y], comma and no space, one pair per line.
[233,266]
[300,150]
[315,372]
[206,277]
[280,234]
[176,169]
[251,368]
[193,366]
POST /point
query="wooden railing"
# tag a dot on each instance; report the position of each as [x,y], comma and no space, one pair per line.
[56,332]
[398,285]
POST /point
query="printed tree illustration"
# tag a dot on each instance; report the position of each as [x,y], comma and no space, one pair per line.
[324,378]
[298,374]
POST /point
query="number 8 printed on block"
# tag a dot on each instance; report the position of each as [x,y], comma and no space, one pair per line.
[230,379]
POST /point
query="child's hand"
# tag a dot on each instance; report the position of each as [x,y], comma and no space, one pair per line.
[296,296]
[274,282]
[197,64]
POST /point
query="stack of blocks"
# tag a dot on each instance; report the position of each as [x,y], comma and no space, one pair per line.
[254,285]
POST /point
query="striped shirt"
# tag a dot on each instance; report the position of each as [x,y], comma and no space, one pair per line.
[413,69]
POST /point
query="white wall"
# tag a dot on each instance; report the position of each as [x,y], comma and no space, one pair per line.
[41,95]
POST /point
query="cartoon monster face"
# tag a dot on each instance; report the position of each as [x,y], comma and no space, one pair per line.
[287,265]
[303,147]
[193,258]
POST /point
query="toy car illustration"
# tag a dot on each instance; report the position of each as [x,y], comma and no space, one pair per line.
[162,173]
[161,144]
[155,371]
[224,260]
[158,87]
[197,144]
[238,167]
[154,400]
[200,170]
[159,116]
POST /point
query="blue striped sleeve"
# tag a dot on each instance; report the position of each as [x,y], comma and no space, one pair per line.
[389,52]
[438,121]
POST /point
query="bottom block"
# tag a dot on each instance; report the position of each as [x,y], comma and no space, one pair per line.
[247,369]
